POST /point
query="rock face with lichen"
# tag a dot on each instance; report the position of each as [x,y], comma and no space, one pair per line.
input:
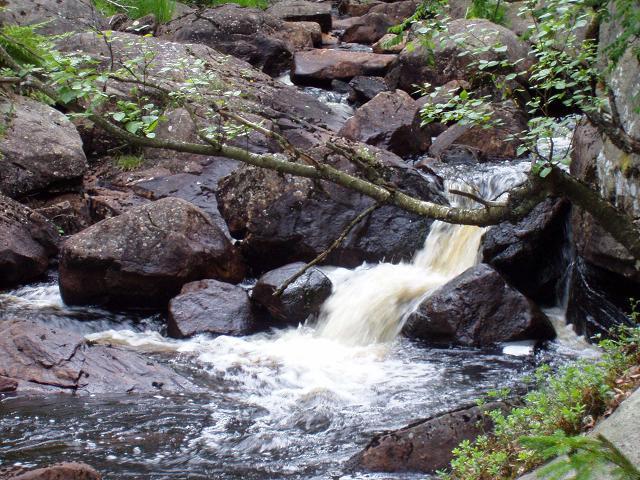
[143,257]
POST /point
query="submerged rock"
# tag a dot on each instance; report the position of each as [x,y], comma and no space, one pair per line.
[478,308]
[143,257]
[60,471]
[55,161]
[43,358]
[27,241]
[426,445]
[210,306]
[387,121]
[301,299]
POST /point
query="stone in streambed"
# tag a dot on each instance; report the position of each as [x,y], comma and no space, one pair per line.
[61,471]
[42,358]
[364,89]
[368,29]
[27,241]
[142,258]
[55,161]
[210,306]
[426,445]
[326,65]
[303,11]
[301,299]
[478,308]
[387,121]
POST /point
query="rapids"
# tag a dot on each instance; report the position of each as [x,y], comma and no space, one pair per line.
[285,404]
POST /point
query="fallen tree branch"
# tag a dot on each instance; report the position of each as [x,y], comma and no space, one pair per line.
[476,198]
[365,213]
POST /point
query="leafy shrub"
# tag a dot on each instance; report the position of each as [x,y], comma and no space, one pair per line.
[126,163]
[492,10]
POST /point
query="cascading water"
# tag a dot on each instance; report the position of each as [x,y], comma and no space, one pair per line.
[286,404]
[373,303]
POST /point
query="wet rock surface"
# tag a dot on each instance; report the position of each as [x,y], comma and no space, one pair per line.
[424,446]
[27,242]
[52,16]
[282,219]
[248,34]
[210,306]
[47,359]
[61,471]
[387,121]
[303,11]
[143,257]
[530,253]
[56,162]
[325,65]
[478,308]
[301,299]
[364,89]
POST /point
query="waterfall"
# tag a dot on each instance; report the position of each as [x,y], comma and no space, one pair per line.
[371,305]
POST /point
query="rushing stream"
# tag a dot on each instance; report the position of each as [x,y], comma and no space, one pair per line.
[293,403]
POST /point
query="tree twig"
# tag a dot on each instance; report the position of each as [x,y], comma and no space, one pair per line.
[365,213]
[476,198]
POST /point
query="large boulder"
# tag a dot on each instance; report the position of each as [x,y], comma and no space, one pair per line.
[356,8]
[363,89]
[368,29]
[27,241]
[324,65]
[387,121]
[60,471]
[53,17]
[55,161]
[143,257]
[210,306]
[283,219]
[418,64]
[300,300]
[426,445]
[43,358]
[531,254]
[478,308]
[604,276]
[246,33]
[303,11]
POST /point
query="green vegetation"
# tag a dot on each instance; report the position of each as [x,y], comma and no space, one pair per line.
[162,9]
[582,456]
[127,163]
[492,10]
[566,402]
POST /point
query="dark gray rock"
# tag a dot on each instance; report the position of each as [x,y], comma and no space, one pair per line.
[210,306]
[365,88]
[283,219]
[301,299]
[303,11]
[42,358]
[55,161]
[478,308]
[530,253]
[142,258]
[54,16]
[246,33]
[27,241]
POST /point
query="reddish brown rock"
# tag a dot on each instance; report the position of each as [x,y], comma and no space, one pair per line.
[27,241]
[43,358]
[368,29]
[303,11]
[387,121]
[426,445]
[142,258]
[61,471]
[326,65]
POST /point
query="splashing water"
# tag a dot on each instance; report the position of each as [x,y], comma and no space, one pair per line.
[372,305]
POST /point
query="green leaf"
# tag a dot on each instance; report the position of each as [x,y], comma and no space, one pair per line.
[119,116]
[133,127]
[545,171]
